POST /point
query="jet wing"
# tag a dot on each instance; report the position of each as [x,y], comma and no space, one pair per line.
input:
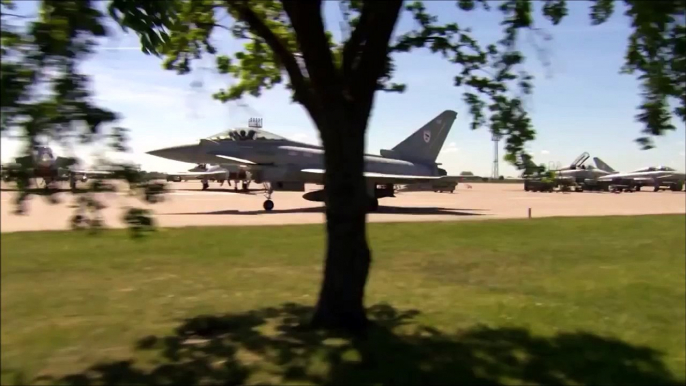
[64,162]
[382,178]
[644,178]
[91,172]
[24,161]
[678,176]
[239,161]
[189,175]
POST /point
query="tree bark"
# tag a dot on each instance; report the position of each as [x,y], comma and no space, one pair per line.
[340,103]
[341,298]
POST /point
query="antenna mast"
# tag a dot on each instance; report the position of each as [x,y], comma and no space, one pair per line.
[496,141]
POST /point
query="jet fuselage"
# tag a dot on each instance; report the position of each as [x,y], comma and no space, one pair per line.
[286,153]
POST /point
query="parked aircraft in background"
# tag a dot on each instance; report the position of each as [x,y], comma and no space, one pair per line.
[286,165]
[42,163]
[580,173]
[219,173]
[656,176]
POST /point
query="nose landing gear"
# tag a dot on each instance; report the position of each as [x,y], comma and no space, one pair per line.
[268,205]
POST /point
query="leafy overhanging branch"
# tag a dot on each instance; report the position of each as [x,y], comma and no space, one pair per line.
[657,51]
[46,98]
[180,30]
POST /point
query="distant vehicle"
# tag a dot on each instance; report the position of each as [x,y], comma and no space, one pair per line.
[539,185]
[219,173]
[286,165]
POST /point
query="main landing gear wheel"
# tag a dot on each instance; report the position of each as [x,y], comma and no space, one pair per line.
[269,204]
[205,185]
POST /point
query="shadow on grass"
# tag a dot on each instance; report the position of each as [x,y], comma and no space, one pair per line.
[272,346]
[320,209]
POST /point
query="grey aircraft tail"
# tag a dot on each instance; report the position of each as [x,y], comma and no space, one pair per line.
[424,144]
[602,165]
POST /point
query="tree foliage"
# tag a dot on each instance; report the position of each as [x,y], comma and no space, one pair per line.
[45,97]
[180,31]
[43,92]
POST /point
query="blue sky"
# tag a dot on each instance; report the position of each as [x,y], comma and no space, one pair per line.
[580,102]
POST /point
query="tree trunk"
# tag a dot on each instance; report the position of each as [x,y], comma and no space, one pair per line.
[341,298]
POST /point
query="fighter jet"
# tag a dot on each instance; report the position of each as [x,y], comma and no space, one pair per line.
[282,164]
[657,176]
[43,164]
[219,173]
[580,173]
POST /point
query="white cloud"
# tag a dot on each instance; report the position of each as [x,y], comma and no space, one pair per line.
[545,152]
[452,148]
[121,90]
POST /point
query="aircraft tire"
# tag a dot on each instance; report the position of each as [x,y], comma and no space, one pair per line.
[268,205]
[656,189]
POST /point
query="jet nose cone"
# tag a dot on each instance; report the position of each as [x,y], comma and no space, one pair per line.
[157,152]
[184,153]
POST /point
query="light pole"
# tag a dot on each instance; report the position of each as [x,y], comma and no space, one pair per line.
[496,140]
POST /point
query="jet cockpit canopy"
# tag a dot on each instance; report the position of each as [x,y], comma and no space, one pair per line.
[245,134]
[655,169]
[43,153]
[646,169]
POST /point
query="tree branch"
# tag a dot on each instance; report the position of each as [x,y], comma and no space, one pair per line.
[353,45]
[212,25]
[382,15]
[14,15]
[306,19]
[287,58]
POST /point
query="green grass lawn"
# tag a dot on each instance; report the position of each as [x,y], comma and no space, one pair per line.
[547,301]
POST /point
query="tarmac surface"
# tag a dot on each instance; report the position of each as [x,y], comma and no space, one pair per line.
[188,205]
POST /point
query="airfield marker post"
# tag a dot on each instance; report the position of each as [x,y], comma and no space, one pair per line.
[529,212]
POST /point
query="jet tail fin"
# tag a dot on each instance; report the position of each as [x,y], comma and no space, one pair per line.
[602,165]
[424,144]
